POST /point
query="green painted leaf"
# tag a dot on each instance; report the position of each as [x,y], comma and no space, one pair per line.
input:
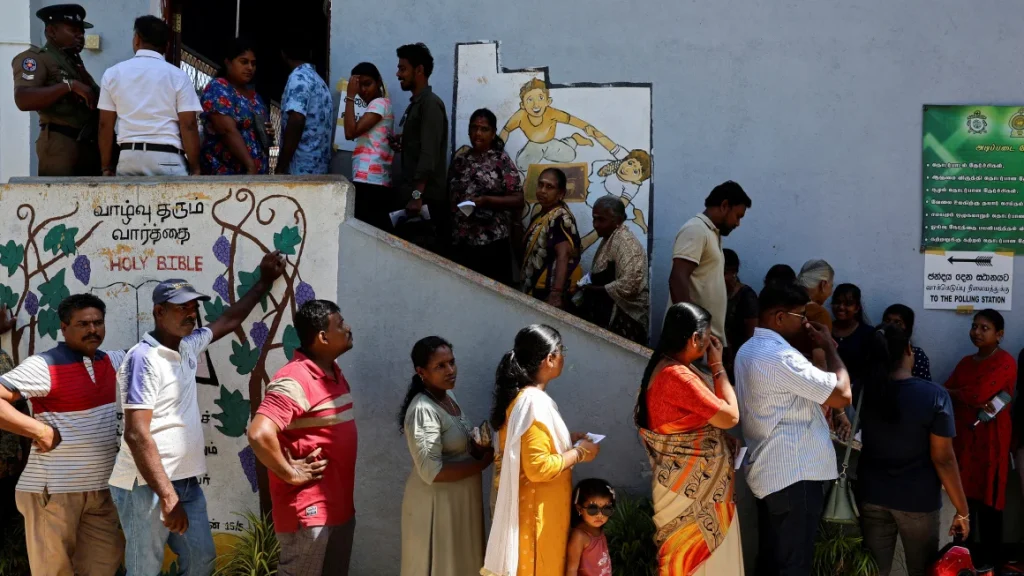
[244,357]
[11,256]
[287,240]
[234,414]
[246,280]
[290,341]
[213,310]
[53,291]
[51,242]
[67,241]
[8,297]
[49,323]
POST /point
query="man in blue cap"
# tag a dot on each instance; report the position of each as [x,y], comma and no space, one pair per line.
[155,479]
[53,81]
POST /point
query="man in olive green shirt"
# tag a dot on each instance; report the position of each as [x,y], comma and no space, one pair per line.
[423,143]
[53,81]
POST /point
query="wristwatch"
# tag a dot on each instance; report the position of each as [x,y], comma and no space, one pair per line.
[416,194]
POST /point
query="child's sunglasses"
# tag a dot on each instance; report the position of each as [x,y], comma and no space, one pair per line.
[605,511]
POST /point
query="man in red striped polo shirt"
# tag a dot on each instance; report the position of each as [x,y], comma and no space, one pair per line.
[305,433]
[71,525]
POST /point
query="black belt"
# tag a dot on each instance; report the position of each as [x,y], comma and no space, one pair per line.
[68,131]
[152,147]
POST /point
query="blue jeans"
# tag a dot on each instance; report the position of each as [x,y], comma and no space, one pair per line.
[146,535]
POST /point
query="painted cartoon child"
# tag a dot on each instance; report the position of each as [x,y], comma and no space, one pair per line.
[538,121]
[621,178]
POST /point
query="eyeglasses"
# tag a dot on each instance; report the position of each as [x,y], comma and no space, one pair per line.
[594,510]
[800,316]
[563,349]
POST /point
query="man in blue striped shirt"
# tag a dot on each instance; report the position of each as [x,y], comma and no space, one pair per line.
[791,457]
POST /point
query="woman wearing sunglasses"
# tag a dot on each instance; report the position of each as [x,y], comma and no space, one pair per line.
[682,414]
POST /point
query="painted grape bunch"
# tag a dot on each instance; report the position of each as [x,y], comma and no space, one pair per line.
[222,250]
[32,303]
[259,333]
[82,269]
[248,461]
[304,293]
[220,286]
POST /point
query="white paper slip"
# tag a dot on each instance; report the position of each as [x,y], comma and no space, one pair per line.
[740,455]
[402,217]
[595,438]
[584,281]
[467,207]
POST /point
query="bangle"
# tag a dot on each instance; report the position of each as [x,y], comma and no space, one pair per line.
[717,374]
[68,83]
[715,364]
[350,99]
[966,517]
[39,436]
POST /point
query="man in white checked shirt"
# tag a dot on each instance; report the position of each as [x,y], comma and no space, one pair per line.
[790,457]
[71,525]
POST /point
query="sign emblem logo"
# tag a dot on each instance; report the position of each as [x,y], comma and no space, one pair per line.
[977,123]
[29,65]
[1017,124]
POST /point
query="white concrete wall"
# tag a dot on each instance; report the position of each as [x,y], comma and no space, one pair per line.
[15,134]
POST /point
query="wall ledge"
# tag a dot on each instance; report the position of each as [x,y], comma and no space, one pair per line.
[488,284]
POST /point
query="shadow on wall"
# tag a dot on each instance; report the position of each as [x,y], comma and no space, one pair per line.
[393,294]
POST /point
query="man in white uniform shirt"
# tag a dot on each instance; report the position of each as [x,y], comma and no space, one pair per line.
[791,457]
[155,481]
[154,105]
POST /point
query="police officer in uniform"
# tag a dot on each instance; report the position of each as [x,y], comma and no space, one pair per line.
[52,81]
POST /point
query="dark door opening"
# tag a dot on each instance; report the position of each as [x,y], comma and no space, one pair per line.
[203,27]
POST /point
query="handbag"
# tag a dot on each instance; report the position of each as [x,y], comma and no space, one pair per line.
[841,506]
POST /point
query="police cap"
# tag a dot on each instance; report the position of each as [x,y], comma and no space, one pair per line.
[69,13]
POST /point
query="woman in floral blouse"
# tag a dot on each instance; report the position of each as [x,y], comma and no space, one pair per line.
[486,176]
[235,135]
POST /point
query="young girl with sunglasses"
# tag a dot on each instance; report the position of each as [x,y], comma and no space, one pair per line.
[593,503]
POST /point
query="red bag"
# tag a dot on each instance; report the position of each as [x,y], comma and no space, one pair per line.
[954,560]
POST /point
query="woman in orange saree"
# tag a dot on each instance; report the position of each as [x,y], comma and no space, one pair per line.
[682,414]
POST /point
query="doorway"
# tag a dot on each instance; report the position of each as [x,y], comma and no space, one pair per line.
[203,27]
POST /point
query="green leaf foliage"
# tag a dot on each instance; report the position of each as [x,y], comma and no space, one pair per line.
[213,310]
[290,341]
[8,297]
[243,357]
[49,323]
[60,239]
[11,256]
[287,239]
[255,553]
[839,551]
[234,414]
[53,291]
[630,535]
[246,280]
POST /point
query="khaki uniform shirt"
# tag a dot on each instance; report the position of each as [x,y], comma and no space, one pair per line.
[46,66]
[700,242]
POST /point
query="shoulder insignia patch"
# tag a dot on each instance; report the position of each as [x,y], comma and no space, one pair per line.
[29,65]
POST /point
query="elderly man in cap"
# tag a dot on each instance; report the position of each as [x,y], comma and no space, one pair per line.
[155,479]
[53,81]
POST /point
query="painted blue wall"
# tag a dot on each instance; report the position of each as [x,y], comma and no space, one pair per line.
[813,106]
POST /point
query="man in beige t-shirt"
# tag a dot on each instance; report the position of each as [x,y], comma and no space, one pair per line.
[698,264]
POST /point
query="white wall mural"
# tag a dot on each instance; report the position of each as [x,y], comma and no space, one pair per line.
[600,135]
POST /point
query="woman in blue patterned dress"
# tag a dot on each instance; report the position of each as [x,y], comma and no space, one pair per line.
[235,137]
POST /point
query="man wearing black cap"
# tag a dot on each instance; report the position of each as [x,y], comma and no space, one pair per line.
[155,481]
[52,81]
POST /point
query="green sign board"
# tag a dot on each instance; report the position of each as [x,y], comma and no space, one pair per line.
[973,178]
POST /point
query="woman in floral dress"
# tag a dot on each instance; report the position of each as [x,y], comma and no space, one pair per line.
[235,135]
